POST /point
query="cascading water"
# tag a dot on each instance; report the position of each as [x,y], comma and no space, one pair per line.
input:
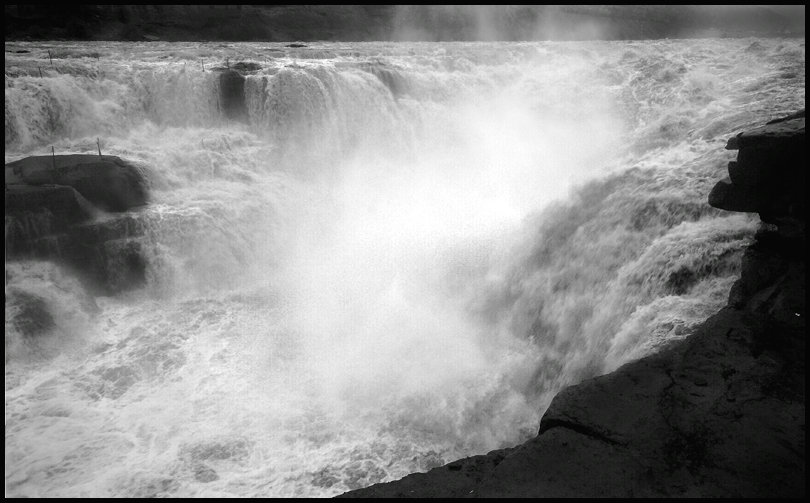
[394,260]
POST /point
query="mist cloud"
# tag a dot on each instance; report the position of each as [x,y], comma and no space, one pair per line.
[590,22]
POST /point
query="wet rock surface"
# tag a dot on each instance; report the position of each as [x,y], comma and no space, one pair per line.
[32,212]
[108,182]
[56,208]
[719,414]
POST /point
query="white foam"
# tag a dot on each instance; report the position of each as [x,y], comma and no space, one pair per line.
[359,282]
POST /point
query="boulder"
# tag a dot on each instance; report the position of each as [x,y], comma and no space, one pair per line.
[108,182]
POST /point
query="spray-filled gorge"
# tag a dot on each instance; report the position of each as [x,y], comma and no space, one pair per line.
[394,259]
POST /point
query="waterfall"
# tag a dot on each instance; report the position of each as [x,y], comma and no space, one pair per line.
[365,259]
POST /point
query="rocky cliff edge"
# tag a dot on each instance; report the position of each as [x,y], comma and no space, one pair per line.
[719,414]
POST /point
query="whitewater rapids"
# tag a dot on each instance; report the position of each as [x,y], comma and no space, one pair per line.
[396,260]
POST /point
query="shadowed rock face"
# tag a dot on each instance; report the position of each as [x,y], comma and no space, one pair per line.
[108,182]
[53,211]
[109,254]
[769,176]
[720,413]
[232,95]
[36,211]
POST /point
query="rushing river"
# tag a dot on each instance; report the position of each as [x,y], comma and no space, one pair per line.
[394,260]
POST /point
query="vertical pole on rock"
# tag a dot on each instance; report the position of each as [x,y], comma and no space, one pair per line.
[49,57]
[40,72]
[98,144]
[202,64]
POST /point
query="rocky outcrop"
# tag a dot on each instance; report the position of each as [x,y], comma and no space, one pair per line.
[720,413]
[71,208]
[769,176]
[108,182]
[36,211]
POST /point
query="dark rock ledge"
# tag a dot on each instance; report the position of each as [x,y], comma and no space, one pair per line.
[718,414]
[232,102]
[79,210]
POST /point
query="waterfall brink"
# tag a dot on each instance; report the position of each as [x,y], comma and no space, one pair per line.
[362,260]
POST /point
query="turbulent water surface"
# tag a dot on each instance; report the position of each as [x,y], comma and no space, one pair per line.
[394,260]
